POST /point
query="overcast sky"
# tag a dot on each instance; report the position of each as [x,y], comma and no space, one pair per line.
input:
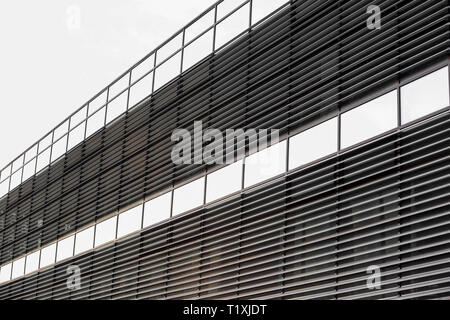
[52,63]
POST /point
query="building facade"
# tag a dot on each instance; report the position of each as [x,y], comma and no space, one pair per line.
[356,190]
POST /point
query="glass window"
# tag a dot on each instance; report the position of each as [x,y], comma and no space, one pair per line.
[84,240]
[5,273]
[188,196]
[48,255]
[65,248]
[105,231]
[370,119]
[425,95]
[18,268]
[157,209]
[224,181]
[129,221]
[313,144]
[265,164]
[32,263]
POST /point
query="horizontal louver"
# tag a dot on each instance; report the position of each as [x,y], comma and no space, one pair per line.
[310,234]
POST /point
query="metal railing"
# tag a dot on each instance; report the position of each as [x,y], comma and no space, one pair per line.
[226,21]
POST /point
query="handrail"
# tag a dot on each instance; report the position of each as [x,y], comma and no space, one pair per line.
[12,174]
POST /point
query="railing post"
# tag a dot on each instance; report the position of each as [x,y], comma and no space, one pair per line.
[154,72]
[106,105]
[129,89]
[215,29]
[86,124]
[182,49]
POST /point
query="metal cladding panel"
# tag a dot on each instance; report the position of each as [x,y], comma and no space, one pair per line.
[309,234]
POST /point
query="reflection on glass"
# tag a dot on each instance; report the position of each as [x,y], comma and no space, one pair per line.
[188,196]
[157,209]
[224,181]
[313,144]
[84,240]
[105,231]
[65,248]
[48,255]
[129,221]
[32,262]
[18,268]
[5,272]
[265,164]
[425,95]
[370,119]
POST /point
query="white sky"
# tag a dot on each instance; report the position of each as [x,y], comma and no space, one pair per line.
[49,66]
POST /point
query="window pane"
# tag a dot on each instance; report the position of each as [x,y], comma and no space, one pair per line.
[65,248]
[84,240]
[5,273]
[425,95]
[265,164]
[129,221]
[313,143]
[188,196]
[224,181]
[370,119]
[157,209]
[18,268]
[48,255]
[32,263]
[105,231]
